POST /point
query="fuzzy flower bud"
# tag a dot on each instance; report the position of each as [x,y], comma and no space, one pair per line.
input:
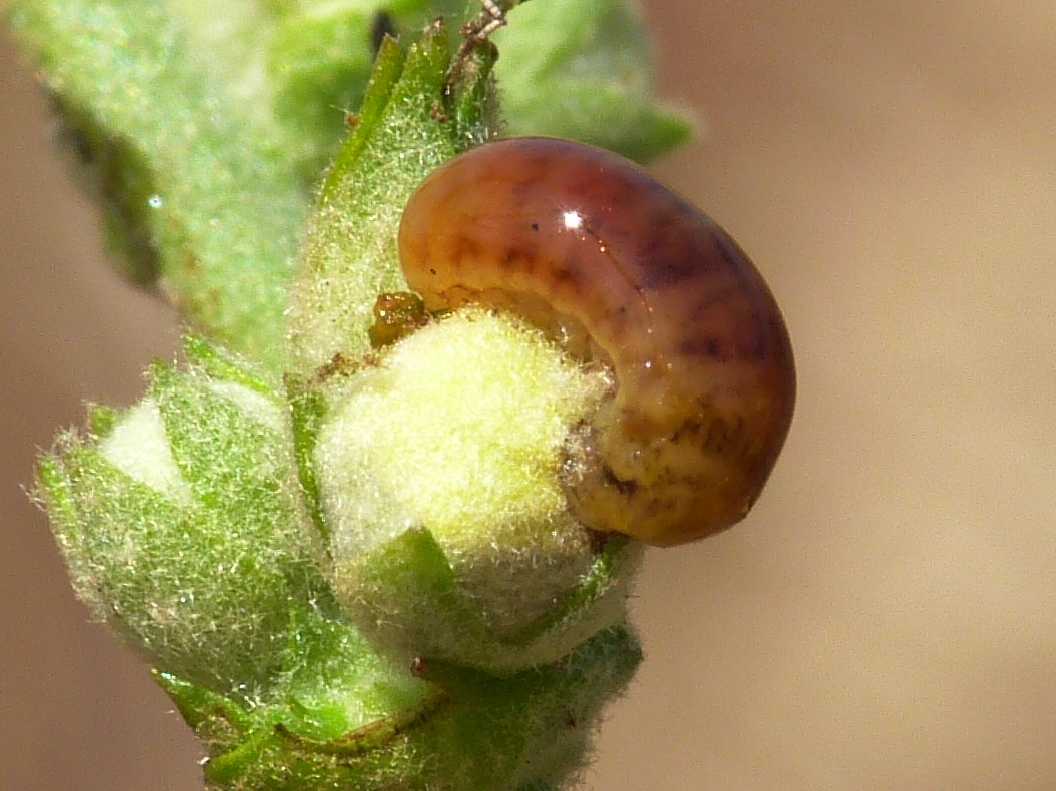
[182,522]
[439,476]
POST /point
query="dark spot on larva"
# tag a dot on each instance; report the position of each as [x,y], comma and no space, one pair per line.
[734,260]
[465,249]
[432,271]
[724,439]
[653,508]
[626,488]
[717,298]
[535,226]
[702,347]
[716,436]
[750,343]
[690,427]
[757,348]
[568,276]
[673,272]
[524,255]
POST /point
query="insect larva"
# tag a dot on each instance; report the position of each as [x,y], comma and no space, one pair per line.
[624,272]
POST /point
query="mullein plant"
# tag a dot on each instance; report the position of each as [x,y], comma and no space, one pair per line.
[350,567]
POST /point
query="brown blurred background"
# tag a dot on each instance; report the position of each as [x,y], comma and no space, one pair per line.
[886,619]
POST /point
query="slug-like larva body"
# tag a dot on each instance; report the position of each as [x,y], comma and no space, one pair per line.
[622,271]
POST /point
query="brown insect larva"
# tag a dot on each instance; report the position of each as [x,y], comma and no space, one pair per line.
[621,270]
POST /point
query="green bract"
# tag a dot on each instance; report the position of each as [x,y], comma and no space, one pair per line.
[351,567]
[349,256]
[182,523]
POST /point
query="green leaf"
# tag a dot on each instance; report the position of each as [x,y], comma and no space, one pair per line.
[197,186]
[582,69]
[183,527]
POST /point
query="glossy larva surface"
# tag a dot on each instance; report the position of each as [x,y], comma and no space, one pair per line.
[626,273]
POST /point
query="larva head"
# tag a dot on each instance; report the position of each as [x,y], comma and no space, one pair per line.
[624,272]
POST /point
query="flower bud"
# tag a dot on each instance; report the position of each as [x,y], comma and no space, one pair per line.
[183,525]
[438,472]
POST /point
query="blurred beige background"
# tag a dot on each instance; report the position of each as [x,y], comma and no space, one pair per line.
[886,619]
